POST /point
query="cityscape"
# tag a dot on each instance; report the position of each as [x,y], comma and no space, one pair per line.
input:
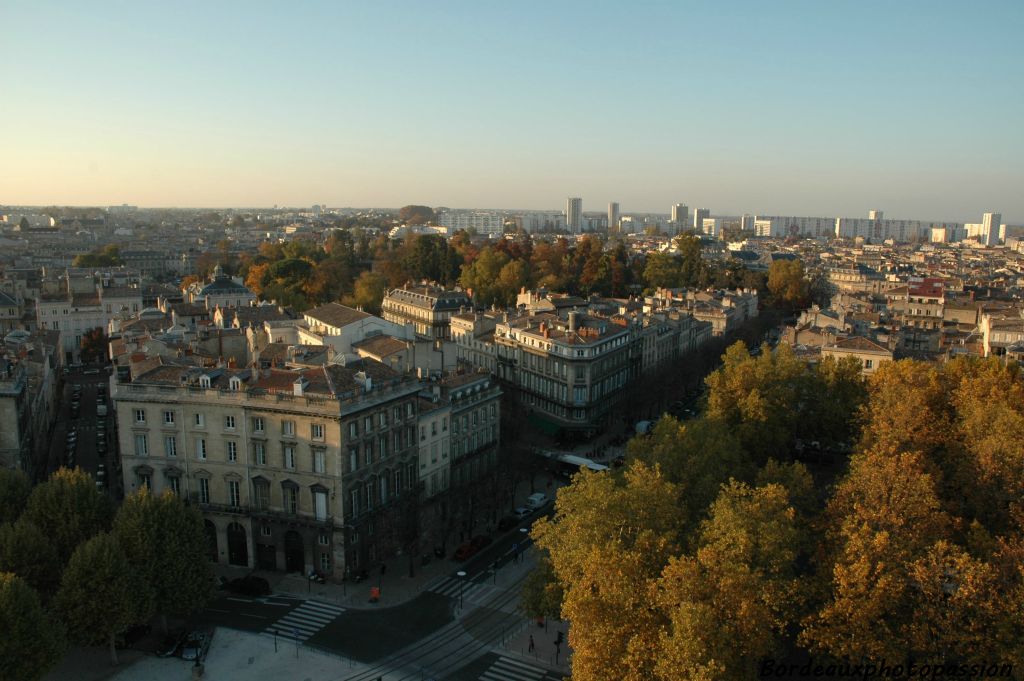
[736,393]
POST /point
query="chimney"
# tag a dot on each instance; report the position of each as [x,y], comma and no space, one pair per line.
[572,321]
[299,386]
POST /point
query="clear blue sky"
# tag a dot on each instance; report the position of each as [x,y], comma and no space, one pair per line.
[807,108]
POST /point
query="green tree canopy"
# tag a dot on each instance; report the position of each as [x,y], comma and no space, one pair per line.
[14,491]
[165,543]
[28,553]
[416,215]
[31,643]
[101,594]
[69,509]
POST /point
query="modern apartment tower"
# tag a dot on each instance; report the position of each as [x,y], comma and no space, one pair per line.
[574,214]
[680,213]
[990,223]
[613,216]
[698,218]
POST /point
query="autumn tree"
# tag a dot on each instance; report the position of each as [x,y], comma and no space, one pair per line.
[541,594]
[417,215]
[94,345]
[731,603]
[609,540]
[787,283]
[101,594]
[69,509]
[368,292]
[31,643]
[164,542]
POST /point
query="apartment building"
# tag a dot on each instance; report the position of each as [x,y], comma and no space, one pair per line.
[293,469]
[428,307]
[79,308]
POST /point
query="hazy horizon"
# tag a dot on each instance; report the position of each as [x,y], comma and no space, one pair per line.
[787,109]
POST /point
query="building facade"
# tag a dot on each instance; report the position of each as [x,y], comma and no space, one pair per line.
[574,214]
[428,307]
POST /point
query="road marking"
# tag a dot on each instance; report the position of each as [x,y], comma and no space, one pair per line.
[239,600]
[506,669]
[305,620]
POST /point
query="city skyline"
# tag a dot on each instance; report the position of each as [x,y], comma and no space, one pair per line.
[798,109]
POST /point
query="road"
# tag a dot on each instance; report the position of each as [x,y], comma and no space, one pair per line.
[84,452]
[450,631]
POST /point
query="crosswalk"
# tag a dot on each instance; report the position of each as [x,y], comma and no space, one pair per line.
[303,622]
[472,592]
[508,669]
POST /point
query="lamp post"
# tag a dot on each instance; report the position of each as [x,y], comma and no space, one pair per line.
[462,582]
[522,544]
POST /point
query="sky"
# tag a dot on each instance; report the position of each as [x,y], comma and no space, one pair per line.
[778,108]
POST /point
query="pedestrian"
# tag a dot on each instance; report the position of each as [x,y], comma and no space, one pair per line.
[531,643]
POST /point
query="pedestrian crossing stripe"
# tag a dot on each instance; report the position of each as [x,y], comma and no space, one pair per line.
[453,586]
[304,621]
[507,669]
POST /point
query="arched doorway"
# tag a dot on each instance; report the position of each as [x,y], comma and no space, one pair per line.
[211,540]
[238,545]
[294,553]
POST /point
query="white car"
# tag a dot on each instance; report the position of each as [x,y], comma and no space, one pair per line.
[522,512]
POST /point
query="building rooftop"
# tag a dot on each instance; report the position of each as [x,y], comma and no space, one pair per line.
[336,314]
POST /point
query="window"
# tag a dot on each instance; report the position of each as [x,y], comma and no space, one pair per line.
[368,488]
[291,500]
[368,453]
[145,480]
[396,441]
[316,431]
[233,493]
[444,424]
[262,493]
[169,417]
[353,429]
[232,451]
[174,484]
[204,490]
[229,422]
[265,531]
[383,488]
[398,481]
[408,409]
[319,461]
[433,427]
[367,424]
[257,424]
[170,446]
[324,539]
[325,561]
[492,410]
[259,453]
[383,446]
[382,419]
[433,452]
[353,498]
[868,363]
[320,505]
[200,420]
[410,474]
[353,459]
[289,456]
[141,446]
[397,414]
[288,428]
[140,416]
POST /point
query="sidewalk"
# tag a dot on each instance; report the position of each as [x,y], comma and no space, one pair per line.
[544,652]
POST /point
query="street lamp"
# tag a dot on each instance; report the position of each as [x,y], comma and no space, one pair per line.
[522,545]
[462,582]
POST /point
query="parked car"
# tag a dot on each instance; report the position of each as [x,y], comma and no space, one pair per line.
[507,523]
[465,551]
[250,585]
[522,512]
[195,646]
[480,541]
[537,500]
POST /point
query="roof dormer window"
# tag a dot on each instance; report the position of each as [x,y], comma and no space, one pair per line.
[204,381]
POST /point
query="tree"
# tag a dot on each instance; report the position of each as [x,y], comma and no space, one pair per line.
[662,271]
[165,542]
[101,594]
[94,345]
[28,553]
[31,644]
[609,540]
[368,292]
[14,491]
[731,604]
[541,594]
[69,509]
[416,215]
[787,284]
